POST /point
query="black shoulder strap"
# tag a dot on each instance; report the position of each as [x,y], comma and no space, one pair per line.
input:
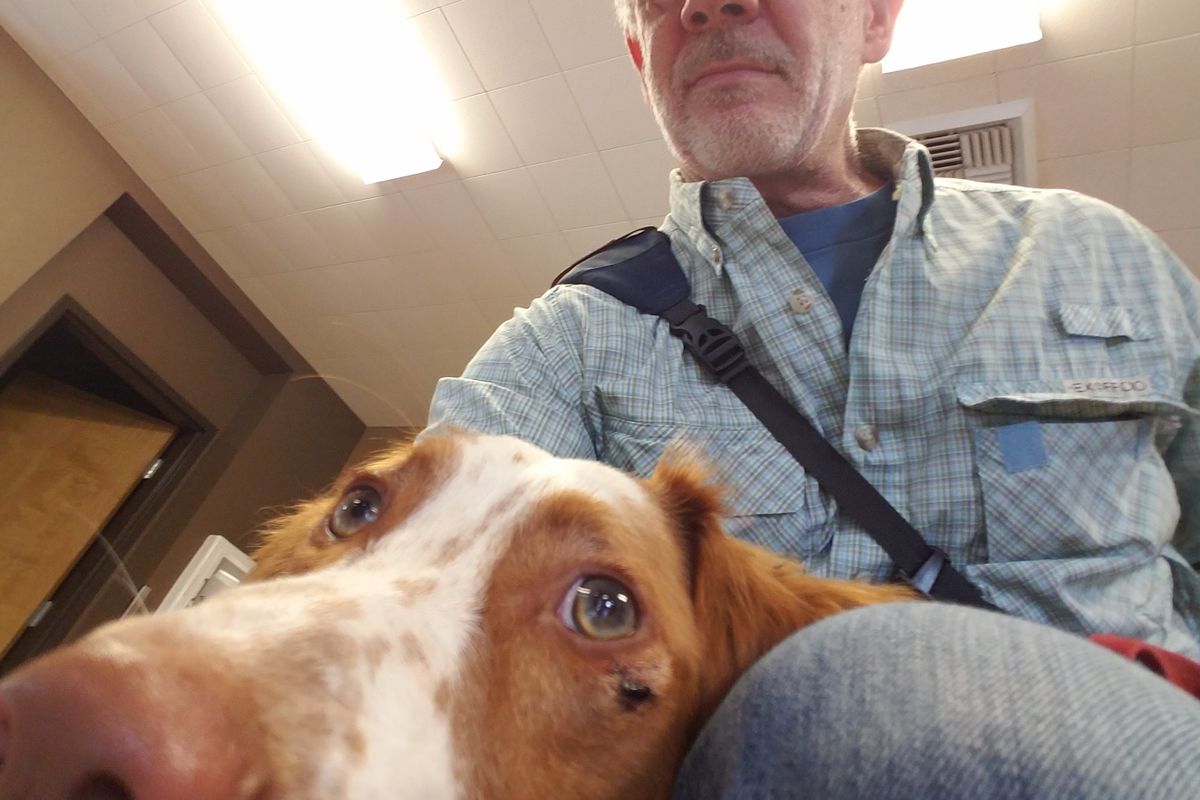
[640,270]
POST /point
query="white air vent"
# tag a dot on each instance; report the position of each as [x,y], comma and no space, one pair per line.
[993,143]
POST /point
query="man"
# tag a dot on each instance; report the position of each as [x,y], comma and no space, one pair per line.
[1016,370]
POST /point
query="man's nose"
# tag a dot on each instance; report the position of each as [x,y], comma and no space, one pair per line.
[701,15]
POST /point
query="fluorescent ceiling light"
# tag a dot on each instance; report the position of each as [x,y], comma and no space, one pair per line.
[929,31]
[353,73]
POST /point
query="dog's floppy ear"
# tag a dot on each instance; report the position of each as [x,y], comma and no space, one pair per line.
[747,599]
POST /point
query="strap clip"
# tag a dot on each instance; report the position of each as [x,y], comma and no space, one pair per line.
[712,343]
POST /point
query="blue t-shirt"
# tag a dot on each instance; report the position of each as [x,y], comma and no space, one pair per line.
[842,244]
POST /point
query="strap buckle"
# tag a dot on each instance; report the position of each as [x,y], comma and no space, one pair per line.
[927,574]
[712,343]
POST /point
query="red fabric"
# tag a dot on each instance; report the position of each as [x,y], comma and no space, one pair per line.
[1179,670]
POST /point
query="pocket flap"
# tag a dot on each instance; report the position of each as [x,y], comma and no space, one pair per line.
[1105,322]
[1073,398]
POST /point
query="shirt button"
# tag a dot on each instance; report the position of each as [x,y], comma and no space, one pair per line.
[714,252]
[800,301]
[725,199]
[867,437]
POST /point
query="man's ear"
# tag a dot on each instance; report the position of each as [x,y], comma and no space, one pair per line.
[879,26]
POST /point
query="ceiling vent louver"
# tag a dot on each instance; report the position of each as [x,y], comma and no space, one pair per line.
[984,153]
[993,143]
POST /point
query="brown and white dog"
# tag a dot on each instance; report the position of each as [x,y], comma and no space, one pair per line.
[476,619]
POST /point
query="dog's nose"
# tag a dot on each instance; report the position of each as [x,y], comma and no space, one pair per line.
[84,725]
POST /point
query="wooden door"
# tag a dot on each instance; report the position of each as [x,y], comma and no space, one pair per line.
[68,459]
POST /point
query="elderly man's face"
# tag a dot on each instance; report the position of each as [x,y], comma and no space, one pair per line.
[752,87]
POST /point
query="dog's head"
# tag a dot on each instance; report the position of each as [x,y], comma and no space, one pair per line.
[473,619]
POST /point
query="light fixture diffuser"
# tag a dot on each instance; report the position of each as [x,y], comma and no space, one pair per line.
[353,73]
[931,31]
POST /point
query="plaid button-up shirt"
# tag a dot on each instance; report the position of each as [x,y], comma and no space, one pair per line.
[1021,384]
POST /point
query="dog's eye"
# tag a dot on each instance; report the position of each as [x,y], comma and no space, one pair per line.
[600,608]
[358,507]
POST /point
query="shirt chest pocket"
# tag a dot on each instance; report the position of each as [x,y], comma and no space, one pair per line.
[769,500]
[1075,471]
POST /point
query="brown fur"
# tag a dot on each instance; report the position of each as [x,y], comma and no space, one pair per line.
[298,542]
[539,708]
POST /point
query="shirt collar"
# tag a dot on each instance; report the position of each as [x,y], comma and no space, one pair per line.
[699,207]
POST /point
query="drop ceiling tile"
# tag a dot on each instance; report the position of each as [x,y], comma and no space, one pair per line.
[347,288]
[179,203]
[429,280]
[59,24]
[348,183]
[1083,104]
[498,310]
[206,129]
[210,197]
[580,31]
[1186,246]
[253,248]
[151,63]
[226,254]
[149,7]
[955,70]
[414,7]
[1072,28]
[609,95]
[484,145]
[1163,19]
[640,173]
[343,233]
[562,184]
[1102,175]
[502,40]
[1164,178]
[109,81]
[163,140]
[457,326]
[584,240]
[449,214]
[109,16]
[297,240]
[296,291]
[538,259]
[940,99]
[200,44]
[301,177]
[13,20]
[543,120]
[446,55]
[511,203]
[392,225]
[253,115]
[1166,110]
[255,189]
[486,272]
[446,173]
[74,87]
[130,148]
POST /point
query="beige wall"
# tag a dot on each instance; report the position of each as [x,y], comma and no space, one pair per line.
[274,440]
[1116,91]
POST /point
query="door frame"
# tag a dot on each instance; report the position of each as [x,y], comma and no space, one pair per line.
[130,525]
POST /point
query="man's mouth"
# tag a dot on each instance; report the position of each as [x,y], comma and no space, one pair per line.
[727,72]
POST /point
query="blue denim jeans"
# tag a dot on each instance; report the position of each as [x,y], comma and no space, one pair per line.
[934,701]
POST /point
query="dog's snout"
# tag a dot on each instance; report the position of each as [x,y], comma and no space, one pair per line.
[78,725]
